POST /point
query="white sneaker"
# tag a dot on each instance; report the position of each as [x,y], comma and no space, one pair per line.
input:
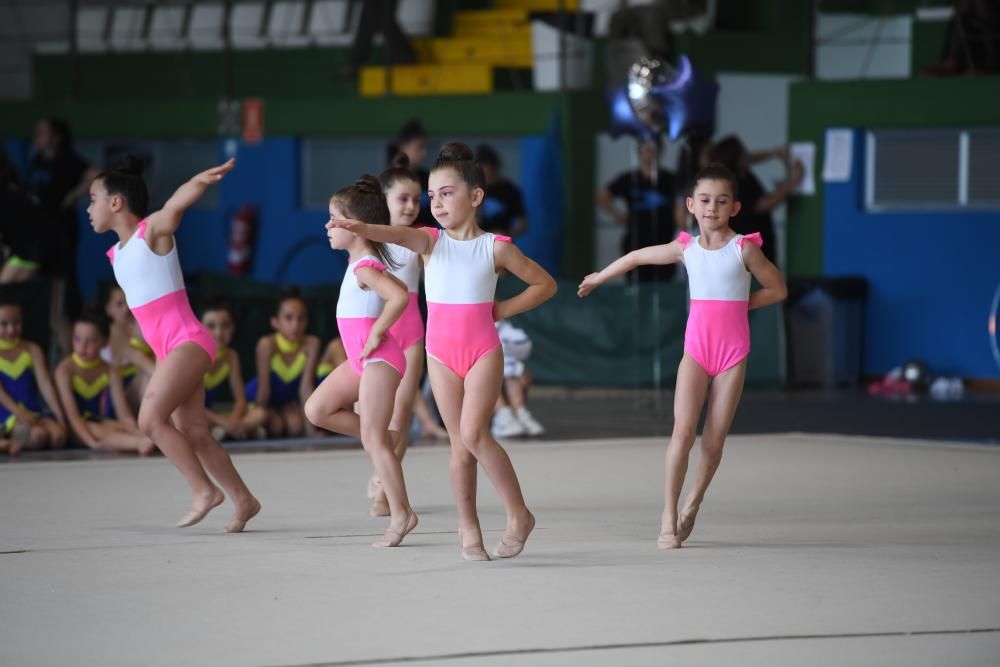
[505,425]
[531,425]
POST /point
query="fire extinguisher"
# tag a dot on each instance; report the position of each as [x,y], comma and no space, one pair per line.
[241,239]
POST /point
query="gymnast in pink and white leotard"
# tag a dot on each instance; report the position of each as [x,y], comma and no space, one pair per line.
[408,330]
[718,331]
[461,282]
[357,311]
[154,290]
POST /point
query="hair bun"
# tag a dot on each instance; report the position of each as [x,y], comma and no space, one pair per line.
[368,185]
[130,164]
[400,161]
[456,151]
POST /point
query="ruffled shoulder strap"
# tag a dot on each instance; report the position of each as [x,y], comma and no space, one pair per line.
[684,239]
[433,231]
[502,238]
[372,262]
[140,230]
[754,238]
[111,253]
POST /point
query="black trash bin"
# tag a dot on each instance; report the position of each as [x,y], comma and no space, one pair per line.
[825,319]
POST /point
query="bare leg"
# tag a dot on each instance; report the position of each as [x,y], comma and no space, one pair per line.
[192,422]
[113,435]
[402,417]
[428,425]
[689,396]
[723,398]
[449,392]
[482,387]
[294,419]
[56,433]
[331,406]
[378,381]
[175,380]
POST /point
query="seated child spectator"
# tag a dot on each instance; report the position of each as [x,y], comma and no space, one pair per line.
[26,420]
[225,371]
[511,417]
[82,379]
[126,350]
[286,369]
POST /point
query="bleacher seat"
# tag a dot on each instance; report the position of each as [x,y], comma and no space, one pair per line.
[246,23]
[286,23]
[127,29]
[330,23]
[166,28]
[205,26]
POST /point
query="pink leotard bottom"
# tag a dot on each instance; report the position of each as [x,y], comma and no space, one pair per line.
[168,321]
[408,330]
[460,334]
[717,334]
[354,333]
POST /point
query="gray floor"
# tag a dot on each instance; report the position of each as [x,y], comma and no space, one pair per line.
[815,550]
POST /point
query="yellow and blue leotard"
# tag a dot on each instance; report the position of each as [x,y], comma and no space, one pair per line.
[217,379]
[18,380]
[92,401]
[285,377]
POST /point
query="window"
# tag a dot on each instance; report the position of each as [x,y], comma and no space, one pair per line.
[932,169]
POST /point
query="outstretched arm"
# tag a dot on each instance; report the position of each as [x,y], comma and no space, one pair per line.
[541,286]
[668,253]
[773,287]
[166,221]
[418,241]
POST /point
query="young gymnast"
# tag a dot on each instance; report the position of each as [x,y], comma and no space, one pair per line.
[225,370]
[370,302]
[91,391]
[461,265]
[286,369]
[147,267]
[402,193]
[24,383]
[126,350]
[719,265]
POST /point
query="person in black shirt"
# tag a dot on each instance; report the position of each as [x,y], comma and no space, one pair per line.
[20,225]
[756,203]
[653,212]
[58,177]
[502,211]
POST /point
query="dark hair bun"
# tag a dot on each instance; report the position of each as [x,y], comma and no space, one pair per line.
[400,161]
[130,164]
[411,130]
[456,151]
[368,185]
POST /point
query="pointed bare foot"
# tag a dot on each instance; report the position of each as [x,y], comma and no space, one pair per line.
[512,542]
[148,448]
[686,524]
[475,551]
[243,514]
[393,536]
[200,507]
[374,486]
[380,506]
[668,541]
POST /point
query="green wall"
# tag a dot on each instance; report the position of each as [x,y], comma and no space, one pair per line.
[913,103]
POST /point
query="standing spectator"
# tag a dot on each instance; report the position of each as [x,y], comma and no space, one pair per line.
[652,212]
[379,16]
[972,43]
[20,225]
[58,176]
[502,211]
[756,203]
